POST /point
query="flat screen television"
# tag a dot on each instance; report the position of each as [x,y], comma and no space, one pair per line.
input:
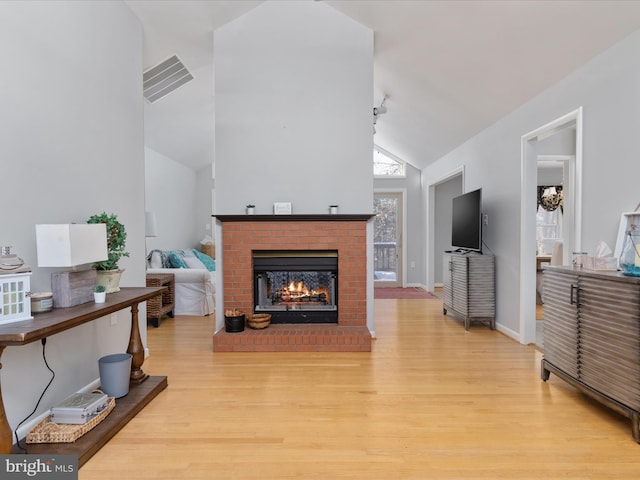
[466,224]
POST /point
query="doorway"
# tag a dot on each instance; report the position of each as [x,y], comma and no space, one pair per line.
[531,145]
[387,238]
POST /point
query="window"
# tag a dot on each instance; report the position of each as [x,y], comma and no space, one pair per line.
[386,164]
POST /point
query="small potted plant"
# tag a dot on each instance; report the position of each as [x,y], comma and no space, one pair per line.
[100,294]
[251,209]
[108,271]
[333,209]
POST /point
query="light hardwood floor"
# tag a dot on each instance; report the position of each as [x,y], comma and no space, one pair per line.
[431,401]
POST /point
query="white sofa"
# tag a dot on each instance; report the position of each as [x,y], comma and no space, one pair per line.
[194,287]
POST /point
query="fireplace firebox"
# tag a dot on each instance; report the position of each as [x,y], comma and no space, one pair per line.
[296,286]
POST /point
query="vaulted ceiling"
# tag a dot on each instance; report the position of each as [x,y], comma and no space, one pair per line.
[450,68]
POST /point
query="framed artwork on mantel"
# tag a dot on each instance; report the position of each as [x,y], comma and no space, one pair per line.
[626,220]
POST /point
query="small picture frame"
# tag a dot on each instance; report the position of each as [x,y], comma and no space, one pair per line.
[625,224]
[282,208]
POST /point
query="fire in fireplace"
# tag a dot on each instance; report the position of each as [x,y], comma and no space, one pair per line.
[296,286]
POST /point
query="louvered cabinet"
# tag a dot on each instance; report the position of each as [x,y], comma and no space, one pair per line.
[560,321]
[592,336]
[469,287]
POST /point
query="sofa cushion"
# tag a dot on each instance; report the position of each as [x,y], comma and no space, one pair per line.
[208,262]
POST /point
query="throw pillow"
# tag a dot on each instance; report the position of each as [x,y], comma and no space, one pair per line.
[164,254]
[193,262]
[176,260]
[155,259]
[209,262]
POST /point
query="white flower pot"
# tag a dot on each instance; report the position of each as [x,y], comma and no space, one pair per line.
[99,297]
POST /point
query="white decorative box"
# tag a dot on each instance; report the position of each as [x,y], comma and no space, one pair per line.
[15,304]
[282,208]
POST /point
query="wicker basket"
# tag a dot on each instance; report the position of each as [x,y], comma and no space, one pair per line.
[258,320]
[49,432]
[208,249]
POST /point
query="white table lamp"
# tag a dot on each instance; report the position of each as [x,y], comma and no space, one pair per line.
[71,245]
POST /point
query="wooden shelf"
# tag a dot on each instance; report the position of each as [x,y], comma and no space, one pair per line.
[60,319]
[296,218]
[126,408]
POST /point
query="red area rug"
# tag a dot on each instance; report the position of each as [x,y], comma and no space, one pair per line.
[411,292]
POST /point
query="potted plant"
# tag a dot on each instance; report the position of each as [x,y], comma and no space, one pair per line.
[251,209]
[100,294]
[108,271]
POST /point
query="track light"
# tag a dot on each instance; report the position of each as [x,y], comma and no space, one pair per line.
[379,110]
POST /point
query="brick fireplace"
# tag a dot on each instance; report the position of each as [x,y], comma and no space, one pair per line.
[346,234]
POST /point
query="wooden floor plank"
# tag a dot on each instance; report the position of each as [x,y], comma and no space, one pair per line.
[430,401]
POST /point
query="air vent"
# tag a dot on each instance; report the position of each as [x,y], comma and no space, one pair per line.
[164,78]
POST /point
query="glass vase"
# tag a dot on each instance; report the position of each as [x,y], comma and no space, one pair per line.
[630,257]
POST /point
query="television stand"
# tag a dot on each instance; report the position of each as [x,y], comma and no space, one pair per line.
[469,287]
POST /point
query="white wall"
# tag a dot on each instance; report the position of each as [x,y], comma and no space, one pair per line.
[171,192]
[71,145]
[293,89]
[607,88]
[550,175]
[560,143]
[204,207]
[444,193]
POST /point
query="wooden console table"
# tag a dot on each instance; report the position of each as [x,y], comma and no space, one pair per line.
[60,319]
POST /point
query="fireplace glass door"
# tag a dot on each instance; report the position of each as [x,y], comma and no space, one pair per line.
[296,287]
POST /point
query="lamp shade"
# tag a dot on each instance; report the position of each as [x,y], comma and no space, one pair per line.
[70,245]
[150,225]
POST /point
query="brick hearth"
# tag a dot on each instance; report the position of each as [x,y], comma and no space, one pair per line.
[295,338]
[346,234]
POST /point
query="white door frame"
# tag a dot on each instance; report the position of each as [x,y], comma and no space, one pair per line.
[430,208]
[403,240]
[528,161]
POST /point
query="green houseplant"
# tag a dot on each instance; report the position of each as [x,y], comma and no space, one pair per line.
[108,270]
[99,294]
